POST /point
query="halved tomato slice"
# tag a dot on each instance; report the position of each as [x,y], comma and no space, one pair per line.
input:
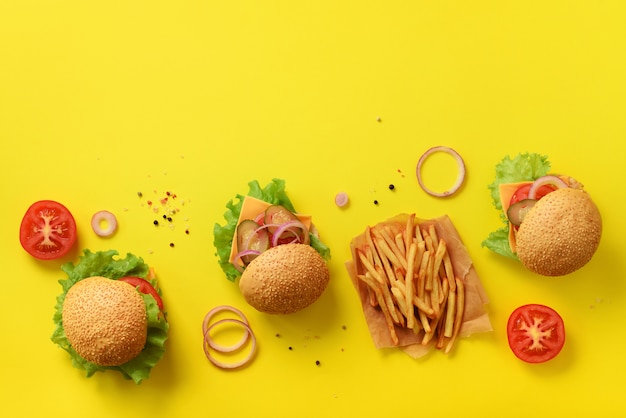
[536,333]
[48,230]
[144,287]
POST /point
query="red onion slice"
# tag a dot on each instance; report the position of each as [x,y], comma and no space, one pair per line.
[239,266]
[544,181]
[104,223]
[341,199]
[293,227]
[459,180]
[235,364]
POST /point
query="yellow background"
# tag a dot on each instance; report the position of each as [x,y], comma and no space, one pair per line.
[102,100]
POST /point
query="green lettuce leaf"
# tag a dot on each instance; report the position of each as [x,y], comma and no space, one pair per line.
[104,263]
[524,167]
[273,193]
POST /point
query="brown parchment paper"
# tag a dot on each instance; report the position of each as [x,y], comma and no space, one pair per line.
[475,317]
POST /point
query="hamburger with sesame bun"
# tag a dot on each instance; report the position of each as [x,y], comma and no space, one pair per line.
[284,279]
[110,315]
[552,226]
[274,251]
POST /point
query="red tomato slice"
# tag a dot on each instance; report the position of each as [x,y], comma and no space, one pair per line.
[536,333]
[522,192]
[48,230]
[144,287]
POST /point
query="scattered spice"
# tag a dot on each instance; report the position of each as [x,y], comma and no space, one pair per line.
[290,348]
[139,194]
[317,362]
[375,202]
[156,222]
[172,244]
[392,187]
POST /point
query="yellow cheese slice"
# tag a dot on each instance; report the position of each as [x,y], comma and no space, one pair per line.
[251,209]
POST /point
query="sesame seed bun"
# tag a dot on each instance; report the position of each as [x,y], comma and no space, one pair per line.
[560,234]
[105,321]
[284,279]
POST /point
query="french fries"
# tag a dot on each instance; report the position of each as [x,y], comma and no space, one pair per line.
[410,278]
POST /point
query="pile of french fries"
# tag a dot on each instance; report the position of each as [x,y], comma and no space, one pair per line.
[410,277]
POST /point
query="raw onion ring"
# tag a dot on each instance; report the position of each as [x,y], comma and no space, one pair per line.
[242,254]
[207,321]
[208,342]
[108,219]
[288,227]
[543,181]
[459,180]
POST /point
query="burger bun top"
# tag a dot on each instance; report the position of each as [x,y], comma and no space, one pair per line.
[560,234]
[284,279]
[105,320]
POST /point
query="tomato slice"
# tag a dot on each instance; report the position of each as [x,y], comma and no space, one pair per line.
[536,333]
[48,230]
[522,192]
[144,287]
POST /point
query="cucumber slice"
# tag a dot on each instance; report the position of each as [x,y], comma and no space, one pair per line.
[518,211]
[277,215]
[251,237]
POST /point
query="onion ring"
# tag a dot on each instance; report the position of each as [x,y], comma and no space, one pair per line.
[235,364]
[108,219]
[543,181]
[242,254]
[459,180]
[288,227]
[207,321]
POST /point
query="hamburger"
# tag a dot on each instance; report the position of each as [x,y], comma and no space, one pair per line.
[551,224]
[110,315]
[274,251]
[284,279]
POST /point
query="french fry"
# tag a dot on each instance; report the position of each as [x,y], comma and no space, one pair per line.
[410,286]
[367,253]
[409,231]
[421,275]
[399,240]
[370,243]
[439,254]
[384,287]
[458,317]
[445,289]
[432,232]
[429,242]
[450,313]
[418,233]
[447,263]
[383,306]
